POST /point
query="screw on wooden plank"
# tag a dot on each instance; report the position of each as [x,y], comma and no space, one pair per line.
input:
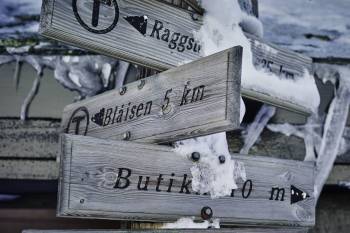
[123,90]
[126,136]
[206,213]
[222,159]
[195,156]
[142,84]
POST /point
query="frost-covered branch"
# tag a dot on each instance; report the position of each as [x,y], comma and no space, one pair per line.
[333,130]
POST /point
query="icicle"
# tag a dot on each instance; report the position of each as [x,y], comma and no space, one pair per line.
[255,129]
[18,71]
[310,132]
[333,132]
[30,97]
[121,73]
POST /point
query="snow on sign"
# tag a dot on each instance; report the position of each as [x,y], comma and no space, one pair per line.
[160,36]
[109,179]
[199,98]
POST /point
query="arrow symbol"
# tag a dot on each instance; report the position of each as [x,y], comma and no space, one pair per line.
[297,195]
[138,22]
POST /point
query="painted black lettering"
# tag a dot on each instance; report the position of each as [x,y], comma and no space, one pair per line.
[132,115]
[115,114]
[77,121]
[139,109]
[166,35]
[157,27]
[233,193]
[126,183]
[120,115]
[173,42]
[198,94]
[244,194]
[148,108]
[190,44]
[166,99]
[108,117]
[127,112]
[181,47]
[184,96]
[170,183]
[144,188]
[185,185]
[159,180]
[278,191]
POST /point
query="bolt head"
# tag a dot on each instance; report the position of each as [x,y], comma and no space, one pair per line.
[126,136]
[222,159]
[206,213]
[82,201]
[122,90]
[195,156]
[142,84]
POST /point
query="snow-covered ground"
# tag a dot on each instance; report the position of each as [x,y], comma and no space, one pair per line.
[318,28]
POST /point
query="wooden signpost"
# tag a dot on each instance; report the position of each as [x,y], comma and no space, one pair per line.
[239,230]
[199,98]
[125,180]
[157,35]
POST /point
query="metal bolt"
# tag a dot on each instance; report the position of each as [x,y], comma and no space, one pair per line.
[222,159]
[142,84]
[126,136]
[195,156]
[122,90]
[206,213]
[82,201]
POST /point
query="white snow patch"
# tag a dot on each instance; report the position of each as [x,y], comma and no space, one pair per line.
[221,30]
[189,223]
[208,174]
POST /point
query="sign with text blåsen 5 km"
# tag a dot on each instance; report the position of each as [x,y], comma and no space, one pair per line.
[196,99]
[127,180]
[158,35]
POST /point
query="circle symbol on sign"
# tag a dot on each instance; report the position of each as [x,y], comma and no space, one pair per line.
[79,118]
[95,16]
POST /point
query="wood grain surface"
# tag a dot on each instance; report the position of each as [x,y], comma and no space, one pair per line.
[92,186]
[199,98]
[166,42]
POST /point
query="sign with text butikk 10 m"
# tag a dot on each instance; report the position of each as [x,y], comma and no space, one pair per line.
[109,179]
[160,36]
[199,98]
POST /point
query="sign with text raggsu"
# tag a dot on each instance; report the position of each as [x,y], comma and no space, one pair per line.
[199,98]
[160,36]
[126,180]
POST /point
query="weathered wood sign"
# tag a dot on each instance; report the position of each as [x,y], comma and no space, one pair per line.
[126,180]
[236,230]
[199,98]
[149,33]
[157,35]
